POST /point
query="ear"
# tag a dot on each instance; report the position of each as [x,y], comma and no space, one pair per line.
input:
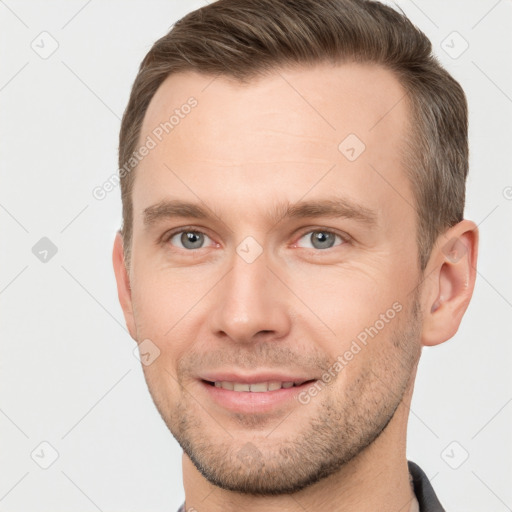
[123,284]
[451,277]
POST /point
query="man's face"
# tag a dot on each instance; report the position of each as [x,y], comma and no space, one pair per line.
[250,292]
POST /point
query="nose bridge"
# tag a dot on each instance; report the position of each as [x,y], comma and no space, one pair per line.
[249,300]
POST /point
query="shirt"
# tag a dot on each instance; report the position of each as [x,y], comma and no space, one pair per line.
[427,499]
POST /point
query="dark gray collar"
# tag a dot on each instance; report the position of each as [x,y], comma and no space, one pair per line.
[425,494]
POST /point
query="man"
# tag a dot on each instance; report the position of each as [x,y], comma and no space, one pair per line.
[293,182]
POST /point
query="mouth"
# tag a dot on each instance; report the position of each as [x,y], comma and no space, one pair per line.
[257,387]
[255,397]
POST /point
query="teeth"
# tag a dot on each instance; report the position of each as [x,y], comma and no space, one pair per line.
[258,387]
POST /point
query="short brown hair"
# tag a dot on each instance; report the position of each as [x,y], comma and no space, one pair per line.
[243,39]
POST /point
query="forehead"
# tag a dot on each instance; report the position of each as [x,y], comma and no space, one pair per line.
[279,132]
[325,98]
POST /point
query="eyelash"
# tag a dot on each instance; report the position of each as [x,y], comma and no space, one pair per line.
[343,236]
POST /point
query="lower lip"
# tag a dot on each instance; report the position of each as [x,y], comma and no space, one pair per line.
[253,402]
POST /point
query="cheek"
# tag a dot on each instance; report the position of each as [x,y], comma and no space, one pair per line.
[354,315]
[161,297]
[170,309]
[345,301]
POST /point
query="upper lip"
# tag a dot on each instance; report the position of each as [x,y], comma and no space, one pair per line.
[255,377]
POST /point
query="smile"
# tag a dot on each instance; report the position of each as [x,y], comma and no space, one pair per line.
[257,387]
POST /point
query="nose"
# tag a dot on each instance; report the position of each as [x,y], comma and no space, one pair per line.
[250,303]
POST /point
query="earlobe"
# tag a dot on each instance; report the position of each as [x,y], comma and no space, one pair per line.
[452,273]
[124,292]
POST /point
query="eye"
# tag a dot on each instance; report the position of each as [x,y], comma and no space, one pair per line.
[320,239]
[188,239]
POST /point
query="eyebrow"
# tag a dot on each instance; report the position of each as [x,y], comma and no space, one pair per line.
[330,207]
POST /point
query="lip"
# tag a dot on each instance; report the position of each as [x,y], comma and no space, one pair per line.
[253,379]
[248,402]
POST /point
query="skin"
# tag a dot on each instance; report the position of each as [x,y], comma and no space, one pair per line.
[244,150]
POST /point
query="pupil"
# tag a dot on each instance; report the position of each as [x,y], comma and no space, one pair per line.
[191,239]
[322,240]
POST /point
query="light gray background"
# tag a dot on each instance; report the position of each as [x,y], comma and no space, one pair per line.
[68,373]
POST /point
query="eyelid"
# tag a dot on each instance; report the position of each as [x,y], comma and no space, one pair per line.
[166,237]
[344,236]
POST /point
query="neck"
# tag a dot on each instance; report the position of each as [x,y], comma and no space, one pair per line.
[376,479]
